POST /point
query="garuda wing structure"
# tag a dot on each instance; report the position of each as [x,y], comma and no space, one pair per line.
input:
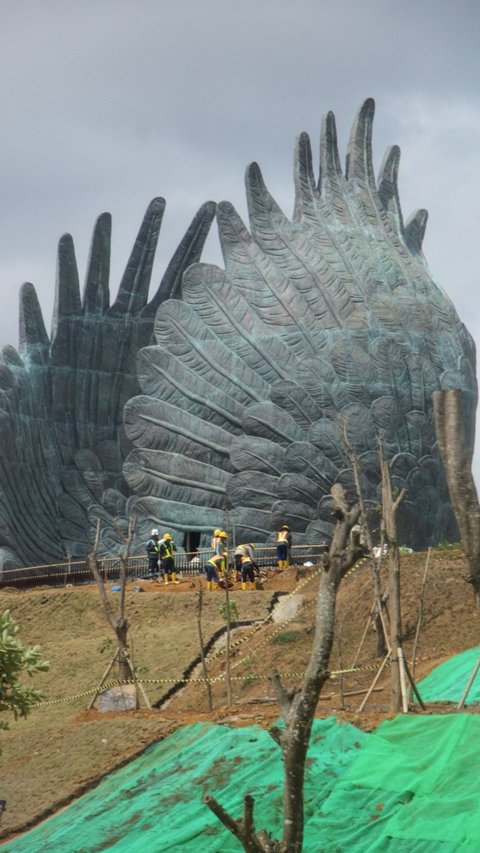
[62,442]
[323,323]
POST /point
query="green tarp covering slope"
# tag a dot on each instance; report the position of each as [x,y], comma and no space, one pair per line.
[155,803]
[411,787]
[415,786]
[448,681]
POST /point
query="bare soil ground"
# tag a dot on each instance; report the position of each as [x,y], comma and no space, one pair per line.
[62,749]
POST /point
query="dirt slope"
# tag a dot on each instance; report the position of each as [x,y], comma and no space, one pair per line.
[62,749]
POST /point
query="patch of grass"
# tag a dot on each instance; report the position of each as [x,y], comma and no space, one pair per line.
[448,546]
[286,637]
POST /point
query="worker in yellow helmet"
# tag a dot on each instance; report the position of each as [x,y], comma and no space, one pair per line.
[247,565]
[215,539]
[221,550]
[284,543]
[167,547]
[211,571]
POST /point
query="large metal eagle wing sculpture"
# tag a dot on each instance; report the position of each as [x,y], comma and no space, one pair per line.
[325,322]
[62,442]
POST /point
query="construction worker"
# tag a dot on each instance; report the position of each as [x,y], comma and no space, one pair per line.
[240,552]
[221,550]
[211,570]
[247,566]
[237,557]
[167,547]
[153,550]
[215,539]
[284,543]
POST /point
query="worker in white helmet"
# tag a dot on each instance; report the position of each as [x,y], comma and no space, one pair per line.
[153,550]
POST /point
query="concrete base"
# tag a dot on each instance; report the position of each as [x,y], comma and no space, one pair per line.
[121,698]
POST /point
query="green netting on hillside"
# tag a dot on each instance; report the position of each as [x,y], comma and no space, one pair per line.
[155,802]
[448,681]
[411,787]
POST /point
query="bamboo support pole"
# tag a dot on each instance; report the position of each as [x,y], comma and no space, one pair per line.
[470,682]
[202,648]
[420,611]
[138,685]
[374,682]
[403,681]
[360,647]
[413,685]
[102,681]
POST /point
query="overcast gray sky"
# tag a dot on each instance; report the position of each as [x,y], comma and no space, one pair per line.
[105,104]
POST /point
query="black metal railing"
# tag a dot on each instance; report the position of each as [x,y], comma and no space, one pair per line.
[77,572]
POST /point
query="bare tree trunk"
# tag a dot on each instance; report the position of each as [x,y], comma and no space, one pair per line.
[200,639]
[374,565]
[298,706]
[119,623]
[450,409]
[390,507]
[299,712]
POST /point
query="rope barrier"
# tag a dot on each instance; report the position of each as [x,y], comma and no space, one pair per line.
[132,681]
[254,677]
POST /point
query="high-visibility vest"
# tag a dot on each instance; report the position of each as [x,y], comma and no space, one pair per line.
[239,551]
[167,548]
[245,552]
[282,536]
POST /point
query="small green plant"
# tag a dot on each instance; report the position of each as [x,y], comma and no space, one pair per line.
[248,681]
[286,637]
[105,645]
[224,610]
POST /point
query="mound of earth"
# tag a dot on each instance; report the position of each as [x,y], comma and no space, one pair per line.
[63,748]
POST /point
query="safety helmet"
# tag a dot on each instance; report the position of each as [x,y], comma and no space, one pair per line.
[217,532]
[154,532]
[252,545]
[284,527]
[167,536]
[222,534]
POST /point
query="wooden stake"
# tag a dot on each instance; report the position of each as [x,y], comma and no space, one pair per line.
[413,685]
[227,650]
[367,626]
[403,683]
[102,680]
[470,682]
[138,685]
[374,682]
[420,611]
[200,640]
